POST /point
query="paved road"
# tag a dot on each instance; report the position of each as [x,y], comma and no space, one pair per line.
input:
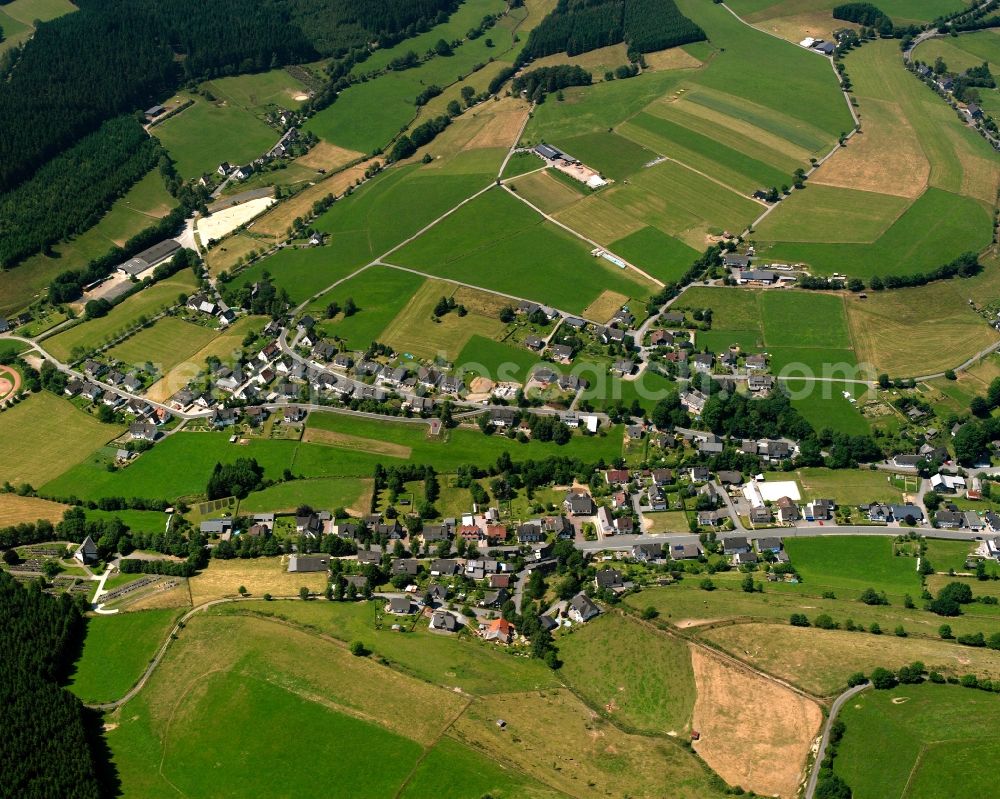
[838,703]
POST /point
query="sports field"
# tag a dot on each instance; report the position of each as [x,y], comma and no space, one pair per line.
[498,243]
[204,135]
[46,435]
[116,650]
[937,738]
[166,343]
[95,332]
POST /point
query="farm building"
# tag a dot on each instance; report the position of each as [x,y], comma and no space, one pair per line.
[149,258]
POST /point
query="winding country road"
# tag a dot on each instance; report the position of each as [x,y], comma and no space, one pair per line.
[838,703]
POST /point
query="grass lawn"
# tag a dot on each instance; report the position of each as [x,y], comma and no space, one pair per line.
[143,521]
[205,134]
[166,343]
[636,674]
[945,555]
[937,228]
[849,487]
[820,661]
[682,202]
[704,153]
[318,492]
[937,742]
[498,243]
[673,521]
[655,252]
[520,163]
[850,564]
[304,273]
[116,650]
[148,302]
[180,465]
[803,319]
[686,602]
[496,359]
[379,293]
[49,435]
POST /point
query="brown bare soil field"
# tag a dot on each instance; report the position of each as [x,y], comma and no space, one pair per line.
[328,156]
[346,441]
[15,509]
[605,306]
[10,381]
[885,157]
[223,578]
[820,661]
[762,744]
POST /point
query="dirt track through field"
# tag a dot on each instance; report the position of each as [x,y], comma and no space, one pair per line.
[754,732]
[347,441]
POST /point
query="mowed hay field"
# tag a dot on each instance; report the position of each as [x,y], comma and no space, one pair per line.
[165,343]
[148,302]
[205,134]
[497,242]
[938,742]
[224,345]
[738,736]
[222,578]
[885,326]
[911,147]
[255,675]
[820,661]
[44,436]
[416,331]
[17,510]
[632,671]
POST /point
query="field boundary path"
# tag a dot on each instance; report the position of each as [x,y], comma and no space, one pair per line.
[835,709]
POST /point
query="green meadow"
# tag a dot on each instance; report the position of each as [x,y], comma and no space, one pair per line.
[116,650]
[653,251]
[848,565]
[496,242]
[937,738]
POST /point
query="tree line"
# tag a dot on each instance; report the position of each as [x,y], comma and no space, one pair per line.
[47,749]
[539,82]
[72,191]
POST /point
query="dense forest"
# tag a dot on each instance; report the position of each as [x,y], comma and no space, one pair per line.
[45,748]
[94,173]
[115,56]
[539,82]
[578,26]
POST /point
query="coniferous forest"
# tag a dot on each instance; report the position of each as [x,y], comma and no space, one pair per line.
[45,747]
[577,26]
[94,173]
[115,56]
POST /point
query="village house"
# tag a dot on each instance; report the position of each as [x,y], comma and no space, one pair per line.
[581,609]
